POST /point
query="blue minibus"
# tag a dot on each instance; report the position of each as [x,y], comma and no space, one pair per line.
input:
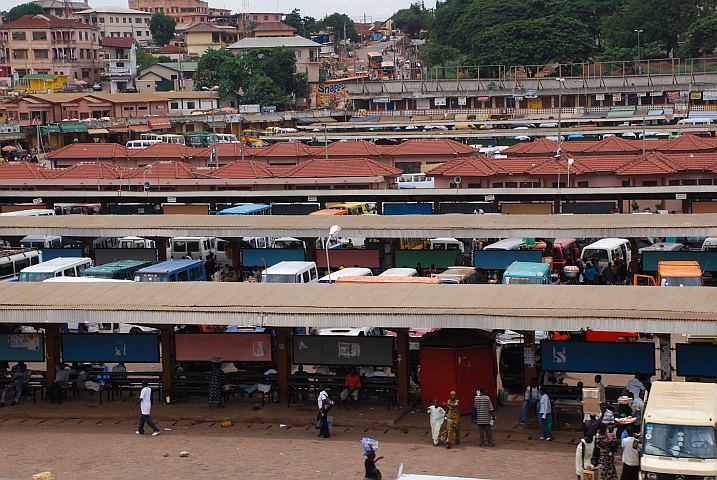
[173,271]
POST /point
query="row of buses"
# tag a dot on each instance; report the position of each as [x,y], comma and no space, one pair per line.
[383,69]
[196,139]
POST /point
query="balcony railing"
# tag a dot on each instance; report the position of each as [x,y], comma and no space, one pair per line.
[64,59]
[63,41]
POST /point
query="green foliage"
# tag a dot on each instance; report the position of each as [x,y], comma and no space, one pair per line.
[335,23]
[413,19]
[617,54]
[266,76]
[162,28]
[210,63]
[701,37]
[164,59]
[294,19]
[144,59]
[433,53]
[20,10]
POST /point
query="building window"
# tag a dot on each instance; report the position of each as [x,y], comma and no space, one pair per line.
[112,20]
[256,17]
[124,19]
[298,53]
[94,37]
[137,20]
[128,109]
[266,17]
[649,183]
[191,105]
[409,167]
[511,184]
[39,35]
[526,184]
[41,54]
[174,105]
[704,181]
[141,108]
[555,185]
[626,183]
[474,185]
[85,74]
[19,36]
[21,54]
[583,184]
[82,53]
[276,17]
[215,38]
[674,183]
[201,19]
[24,116]
[139,33]
[691,181]
[497,184]
[102,19]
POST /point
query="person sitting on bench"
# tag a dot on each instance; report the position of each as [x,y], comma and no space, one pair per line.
[353,386]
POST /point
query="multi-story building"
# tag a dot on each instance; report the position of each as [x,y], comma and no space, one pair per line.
[119,22]
[56,7]
[266,17]
[48,44]
[306,51]
[200,37]
[273,29]
[120,62]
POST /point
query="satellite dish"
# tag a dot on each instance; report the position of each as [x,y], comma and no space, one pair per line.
[146,185]
[457,180]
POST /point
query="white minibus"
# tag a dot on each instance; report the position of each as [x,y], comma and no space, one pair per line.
[139,144]
[14,260]
[291,272]
[198,248]
[33,212]
[399,272]
[691,122]
[607,250]
[352,271]
[41,241]
[506,244]
[57,267]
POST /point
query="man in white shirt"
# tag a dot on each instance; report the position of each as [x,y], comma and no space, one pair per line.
[543,415]
[532,397]
[322,417]
[601,388]
[436,417]
[630,457]
[145,399]
[635,386]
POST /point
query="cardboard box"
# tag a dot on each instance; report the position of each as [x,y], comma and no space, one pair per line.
[590,474]
[591,401]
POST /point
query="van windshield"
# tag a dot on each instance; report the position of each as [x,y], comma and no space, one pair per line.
[681,282]
[595,254]
[35,276]
[680,441]
[151,277]
[521,281]
[277,278]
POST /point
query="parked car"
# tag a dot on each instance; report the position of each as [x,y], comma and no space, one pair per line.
[97,87]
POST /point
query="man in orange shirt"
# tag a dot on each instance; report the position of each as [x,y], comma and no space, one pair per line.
[352,386]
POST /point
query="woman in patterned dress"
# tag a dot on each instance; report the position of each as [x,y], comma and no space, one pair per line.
[453,423]
[606,464]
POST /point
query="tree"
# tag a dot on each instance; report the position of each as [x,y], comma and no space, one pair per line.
[162,28]
[208,68]
[144,59]
[303,25]
[264,91]
[335,23]
[164,59]
[433,54]
[413,19]
[20,10]
[701,37]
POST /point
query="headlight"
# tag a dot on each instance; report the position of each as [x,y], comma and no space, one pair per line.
[651,476]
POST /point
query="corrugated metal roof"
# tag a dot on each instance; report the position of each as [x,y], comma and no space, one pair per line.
[376,226]
[517,307]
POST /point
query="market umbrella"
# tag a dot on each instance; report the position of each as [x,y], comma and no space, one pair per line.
[9,148]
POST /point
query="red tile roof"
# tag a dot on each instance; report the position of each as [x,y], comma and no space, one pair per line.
[273,27]
[521,164]
[613,145]
[89,170]
[90,151]
[166,170]
[174,151]
[441,146]
[539,147]
[551,167]
[652,163]
[245,169]
[475,166]
[687,143]
[341,167]
[360,148]
[23,171]
[285,149]
[43,20]
[604,163]
[119,42]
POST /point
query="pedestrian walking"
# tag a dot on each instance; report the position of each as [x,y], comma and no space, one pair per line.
[452,434]
[543,416]
[608,274]
[532,397]
[322,419]
[216,382]
[145,400]
[484,417]
[210,266]
[606,450]
[372,473]
[630,456]
[584,454]
[436,418]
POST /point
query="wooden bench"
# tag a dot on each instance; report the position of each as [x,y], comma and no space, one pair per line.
[197,383]
[383,388]
[36,383]
[117,383]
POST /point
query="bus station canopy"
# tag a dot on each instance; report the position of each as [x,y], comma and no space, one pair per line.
[690,310]
[367,226]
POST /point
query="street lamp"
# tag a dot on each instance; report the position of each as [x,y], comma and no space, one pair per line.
[332,233]
[570,163]
[326,145]
[561,81]
[638,43]
[214,125]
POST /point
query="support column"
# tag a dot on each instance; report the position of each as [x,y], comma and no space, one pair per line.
[283,362]
[633,256]
[236,255]
[161,245]
[528,357]
[403,373]
[665,357]
[103,207]
[166,335]
[556,204]
[52,349]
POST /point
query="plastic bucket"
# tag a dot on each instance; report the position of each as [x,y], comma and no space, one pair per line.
[329,420]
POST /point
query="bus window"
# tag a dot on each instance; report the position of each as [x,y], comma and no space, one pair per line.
[183,276]
[70,272]
[180,247]
[306,276]
[20,264]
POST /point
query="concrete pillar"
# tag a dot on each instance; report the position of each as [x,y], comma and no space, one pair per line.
[633,260]
[665,356]
[52,349]
[103,207]
[166,335]
[403,373]
[437,205]
[556,203]
[283,361]
[528,356]
[236,254]
[161,244]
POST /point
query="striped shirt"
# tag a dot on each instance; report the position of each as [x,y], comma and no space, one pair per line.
[483,407]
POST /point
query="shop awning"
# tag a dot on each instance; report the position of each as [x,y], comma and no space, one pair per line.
[50,129]
[119,130]
[12,136]
[482,99]
[76,128]
[97,131]
[139,128]
[157,123]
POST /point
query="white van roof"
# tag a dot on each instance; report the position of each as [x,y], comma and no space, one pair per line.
[351,271]
[399,272]
[82,279]
[40,238]
[505,244]
[57,264]
[606,243]
[288,267]
[697,403]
